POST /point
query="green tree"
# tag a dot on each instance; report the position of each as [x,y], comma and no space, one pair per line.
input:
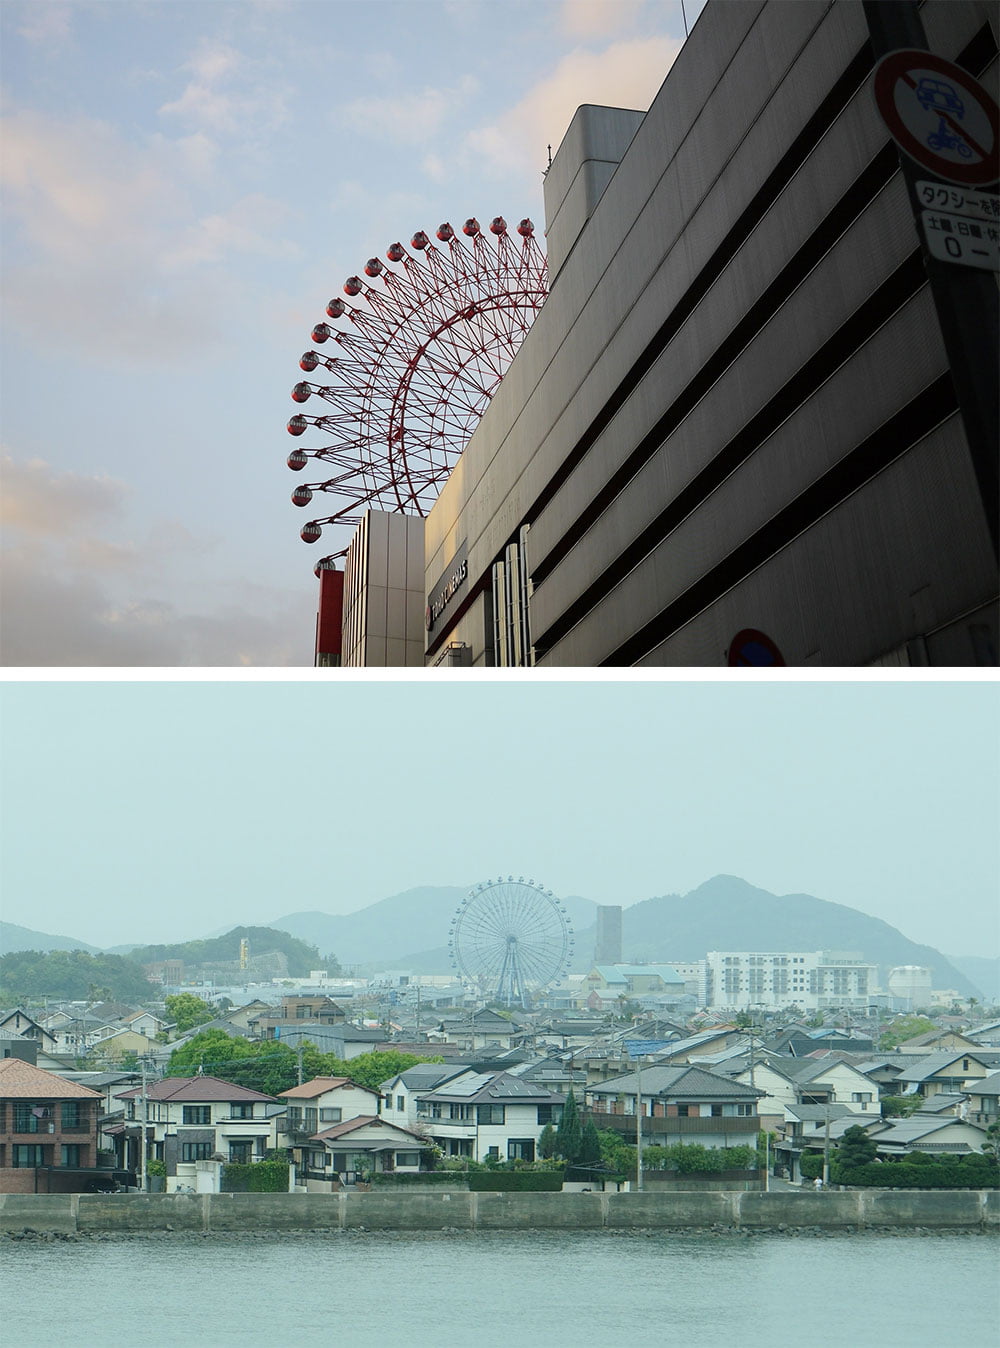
[590,1145]
[71,974]
[547,1143]
[186,1011]
[903,1028]
[900,1106]
[569,1134]
[856,1149]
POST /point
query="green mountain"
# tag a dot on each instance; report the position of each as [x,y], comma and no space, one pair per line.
[727,913]
[14,938]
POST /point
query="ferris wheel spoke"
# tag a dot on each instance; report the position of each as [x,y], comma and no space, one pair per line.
[416,352]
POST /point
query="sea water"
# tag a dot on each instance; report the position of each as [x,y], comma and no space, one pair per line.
[502,1290]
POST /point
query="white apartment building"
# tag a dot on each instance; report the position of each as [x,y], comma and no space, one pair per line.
[813,980]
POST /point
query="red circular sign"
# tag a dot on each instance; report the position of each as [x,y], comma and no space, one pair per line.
[940,116]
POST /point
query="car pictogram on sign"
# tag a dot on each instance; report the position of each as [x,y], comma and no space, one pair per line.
[937,94]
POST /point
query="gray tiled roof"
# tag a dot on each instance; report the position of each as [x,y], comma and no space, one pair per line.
[682,1082]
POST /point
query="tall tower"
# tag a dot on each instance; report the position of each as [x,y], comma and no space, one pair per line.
[608,947]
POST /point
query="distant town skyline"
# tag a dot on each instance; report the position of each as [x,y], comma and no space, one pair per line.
[164,811]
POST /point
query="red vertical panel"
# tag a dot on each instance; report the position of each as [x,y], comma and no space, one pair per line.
[329,619]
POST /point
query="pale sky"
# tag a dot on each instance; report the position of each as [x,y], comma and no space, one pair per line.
[164,811]
[184,187]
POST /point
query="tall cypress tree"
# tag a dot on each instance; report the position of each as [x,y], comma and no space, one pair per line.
[569,1134]
[590,1145]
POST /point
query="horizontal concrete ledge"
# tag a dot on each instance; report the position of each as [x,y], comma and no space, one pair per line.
[854,1209]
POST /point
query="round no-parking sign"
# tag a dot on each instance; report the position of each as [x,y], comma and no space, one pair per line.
[940,116]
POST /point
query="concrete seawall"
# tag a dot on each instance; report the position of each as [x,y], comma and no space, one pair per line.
[88,1214]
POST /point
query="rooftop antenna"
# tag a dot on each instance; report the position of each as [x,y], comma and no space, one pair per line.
[684,17]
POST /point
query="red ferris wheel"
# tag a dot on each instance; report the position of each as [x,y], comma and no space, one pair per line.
[415,363]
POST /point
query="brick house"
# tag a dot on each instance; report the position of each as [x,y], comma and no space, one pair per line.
[47,1126]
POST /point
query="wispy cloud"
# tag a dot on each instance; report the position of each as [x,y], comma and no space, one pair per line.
[408,118]
[115,238]
[625,74]
[227,94]
[47,24]
[598,18]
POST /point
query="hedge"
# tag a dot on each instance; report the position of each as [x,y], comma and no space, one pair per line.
[535,1181]
[453,1179]
[260,1177]
[950,1174]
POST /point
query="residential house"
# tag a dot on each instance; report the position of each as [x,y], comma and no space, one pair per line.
[19,1022]
[200,1118]
[358,1147]
[48,1132]
[343,1041]
[829,1078]
[484,1115]
[120,1044]
[271,1022]
[984,1100]
[679,1103]
[322,1102]
[473,1030]
[938,1041]
[942,1136]
[947,1071]
[399,1093]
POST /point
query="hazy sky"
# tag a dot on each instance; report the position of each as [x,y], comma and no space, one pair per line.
[163,811]
[184,186]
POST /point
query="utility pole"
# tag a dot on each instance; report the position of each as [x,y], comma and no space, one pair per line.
[142,1142]
[638,1124]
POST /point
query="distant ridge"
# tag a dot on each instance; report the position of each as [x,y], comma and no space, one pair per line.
[14,938]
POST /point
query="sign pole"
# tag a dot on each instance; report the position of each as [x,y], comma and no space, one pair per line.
[966,300]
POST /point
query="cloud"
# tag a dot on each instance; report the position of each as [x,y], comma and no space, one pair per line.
[228,94]
[408,118]
[116,238]
[626,74]
[44,504]
[73,596]
[46,24]
[598,18]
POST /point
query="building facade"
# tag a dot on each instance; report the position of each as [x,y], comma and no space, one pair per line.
[732,433]
[812,980]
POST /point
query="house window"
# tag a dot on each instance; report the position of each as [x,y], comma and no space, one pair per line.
[69,1153]
[520,1149]
[683,1111]
[716,1111]
[197,1114]
[408,1160]
[489,1113]
[318,1160]
[460,1113]
[74,1116]
[312,1120]
[493,1154]
[744,1111]
[240,1152]
[294,1120]
[30,1117]
[26,1155]
[401,1103]
[330,1114]
[196,1151]
[241,1111]
[861,1097]
[550,1113]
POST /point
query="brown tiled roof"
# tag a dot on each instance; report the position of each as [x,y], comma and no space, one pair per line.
[319,1085]
[362,1121]
[200,1090]
[23,1081]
